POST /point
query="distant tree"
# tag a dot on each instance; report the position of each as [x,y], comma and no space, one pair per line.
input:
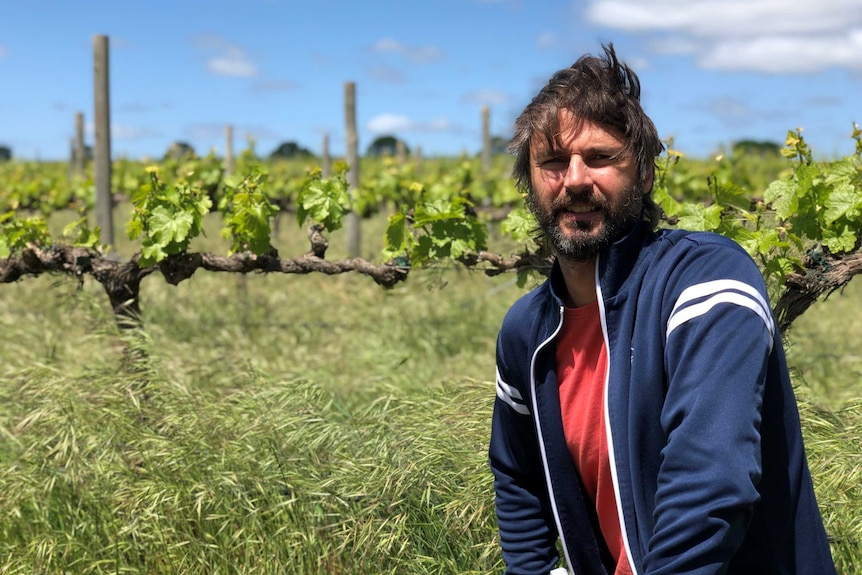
[290,150]
[180,150]
[762,148]
[385,146]
[5,153]
[499,145]
[88,153]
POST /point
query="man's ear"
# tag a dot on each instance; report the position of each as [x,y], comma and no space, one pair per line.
[648,181]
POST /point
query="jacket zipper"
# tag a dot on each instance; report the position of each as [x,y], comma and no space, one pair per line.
[612,460]
[541,436]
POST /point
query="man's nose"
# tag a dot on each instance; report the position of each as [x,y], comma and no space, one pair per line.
[577,174]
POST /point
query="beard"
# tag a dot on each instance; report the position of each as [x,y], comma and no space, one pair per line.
[583,240]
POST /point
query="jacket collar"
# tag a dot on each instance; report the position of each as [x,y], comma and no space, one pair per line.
[615,263]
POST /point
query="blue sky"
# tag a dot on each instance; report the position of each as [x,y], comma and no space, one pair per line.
[712,71]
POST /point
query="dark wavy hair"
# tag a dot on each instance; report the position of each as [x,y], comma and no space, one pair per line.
[601,90]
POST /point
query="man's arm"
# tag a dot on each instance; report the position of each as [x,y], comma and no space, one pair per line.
[528,533]
[719,336]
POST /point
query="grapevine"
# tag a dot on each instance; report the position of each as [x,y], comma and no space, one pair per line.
[802,228]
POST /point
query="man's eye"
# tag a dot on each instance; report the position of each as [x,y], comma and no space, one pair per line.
[601,159]
[555,164]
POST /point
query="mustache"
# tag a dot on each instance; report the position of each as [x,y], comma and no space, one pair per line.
[564,201]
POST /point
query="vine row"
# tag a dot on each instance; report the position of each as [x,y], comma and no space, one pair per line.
[803,229]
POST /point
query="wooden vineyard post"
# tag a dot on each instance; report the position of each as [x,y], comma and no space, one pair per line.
[80,154]
[352,223]
[325,159]
[228,150]
[486,139]
[122,286]
[102,141]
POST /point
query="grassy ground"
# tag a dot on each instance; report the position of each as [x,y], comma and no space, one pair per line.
[299,424]
[825,347]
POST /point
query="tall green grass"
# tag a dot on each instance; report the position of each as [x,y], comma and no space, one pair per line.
[289,424]
[272,435]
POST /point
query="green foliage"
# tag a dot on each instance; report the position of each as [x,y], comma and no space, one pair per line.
[819,201]
[19,233]
[79,232]
[780,207]
[386,146]
[812,206]
[247,214]
[436,230]
[324,201]
[520,225]
[290,150]
[166,218]
[42,187]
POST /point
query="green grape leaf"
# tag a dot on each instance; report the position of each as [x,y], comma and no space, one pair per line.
[781,194]
[728,194]
[323,201]
[519,224]
[82,235]
[134,228]
[395,240]
[167,227]
[438,210]
[845,200]
[839,241]
[151,253]
[700,217]
[668,204]
[247,215]
[17,233]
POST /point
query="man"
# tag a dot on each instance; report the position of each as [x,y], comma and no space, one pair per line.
[644,418]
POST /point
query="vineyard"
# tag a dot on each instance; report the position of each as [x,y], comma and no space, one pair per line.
[211,415]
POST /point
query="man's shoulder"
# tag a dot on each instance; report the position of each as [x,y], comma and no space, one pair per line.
[697,254]
[527,314]
[529,304]
[686,237]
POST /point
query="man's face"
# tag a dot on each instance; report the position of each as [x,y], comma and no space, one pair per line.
[586,193]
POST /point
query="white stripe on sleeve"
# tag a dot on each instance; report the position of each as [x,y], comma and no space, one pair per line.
[511,396]
[718,292]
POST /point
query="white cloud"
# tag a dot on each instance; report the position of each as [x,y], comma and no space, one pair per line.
[3,51]
[732,111]
[675,45]
[227,58]
[487,98]
[205,131]
[414,54]
[234,62]
[718,18]
[786,54]
[389,123]
[133,133]
[387,74]
[438,125]
[762,35]
[637,63]
[123,132]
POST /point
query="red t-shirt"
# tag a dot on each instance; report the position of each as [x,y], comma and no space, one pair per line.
[582,365]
